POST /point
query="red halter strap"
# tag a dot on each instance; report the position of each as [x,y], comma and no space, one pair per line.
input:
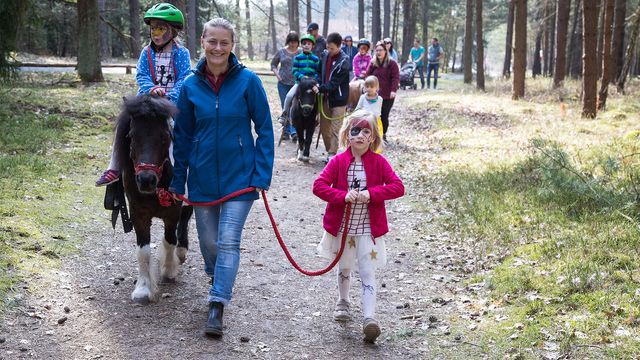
[153,167]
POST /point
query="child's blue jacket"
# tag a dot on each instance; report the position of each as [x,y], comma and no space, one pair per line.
[144,74]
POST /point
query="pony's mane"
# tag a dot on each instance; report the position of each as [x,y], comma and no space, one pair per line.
[152,110]
[307,82]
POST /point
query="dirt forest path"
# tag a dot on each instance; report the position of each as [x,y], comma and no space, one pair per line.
[84,311]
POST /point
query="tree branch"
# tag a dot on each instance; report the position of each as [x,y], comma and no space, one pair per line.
[126,38]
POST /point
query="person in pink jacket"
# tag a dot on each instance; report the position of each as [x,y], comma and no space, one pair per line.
[365,179]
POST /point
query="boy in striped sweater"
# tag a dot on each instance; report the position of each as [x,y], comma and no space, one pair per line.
[304,64]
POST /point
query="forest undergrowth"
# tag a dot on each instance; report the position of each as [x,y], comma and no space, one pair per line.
[550,203]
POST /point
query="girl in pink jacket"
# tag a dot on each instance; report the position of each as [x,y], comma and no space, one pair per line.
[365,179]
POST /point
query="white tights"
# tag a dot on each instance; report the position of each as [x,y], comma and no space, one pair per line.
[368,282]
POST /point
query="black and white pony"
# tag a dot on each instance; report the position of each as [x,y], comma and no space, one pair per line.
[303,115]
[142,141]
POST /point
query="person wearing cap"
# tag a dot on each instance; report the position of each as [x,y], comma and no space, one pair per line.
[350,50]
[320,42]
[162,67]
[392,52]
[334,85]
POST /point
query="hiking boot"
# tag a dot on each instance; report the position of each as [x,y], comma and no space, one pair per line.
[342,313]
[214,321]
[371,330]
[108,177]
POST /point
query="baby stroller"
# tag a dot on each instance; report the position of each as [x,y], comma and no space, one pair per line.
[407,72]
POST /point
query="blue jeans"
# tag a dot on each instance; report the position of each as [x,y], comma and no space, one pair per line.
[434,68]
[421,72]
[283,89]
[219,232]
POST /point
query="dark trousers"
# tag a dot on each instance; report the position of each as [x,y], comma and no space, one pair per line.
[384,114]
[421,72]
[434,68]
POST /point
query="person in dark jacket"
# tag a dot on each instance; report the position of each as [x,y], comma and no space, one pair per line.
[350,50]
[388,74]
[321,44]
[216,154]
[334,85]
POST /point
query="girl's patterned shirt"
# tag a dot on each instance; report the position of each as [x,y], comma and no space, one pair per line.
[359,223]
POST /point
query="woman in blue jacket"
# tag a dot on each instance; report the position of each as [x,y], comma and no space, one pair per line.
[216,154]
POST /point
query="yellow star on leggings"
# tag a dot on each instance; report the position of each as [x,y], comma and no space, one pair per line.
[352,243]
[373,254]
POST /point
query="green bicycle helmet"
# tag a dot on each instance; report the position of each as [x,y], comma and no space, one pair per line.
[165,12]
[308,37]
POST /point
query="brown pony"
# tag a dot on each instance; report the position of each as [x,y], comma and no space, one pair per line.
[356,88]
[142,141]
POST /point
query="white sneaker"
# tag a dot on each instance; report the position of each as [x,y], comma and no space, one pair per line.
[342,313]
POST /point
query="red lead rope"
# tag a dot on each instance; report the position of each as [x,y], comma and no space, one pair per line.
[275,229]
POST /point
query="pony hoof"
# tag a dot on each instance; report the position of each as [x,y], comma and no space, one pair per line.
[167,280]
[300,157]
[142,300]
[305,159]
[181,252]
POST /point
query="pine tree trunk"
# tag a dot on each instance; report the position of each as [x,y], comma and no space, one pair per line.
[546,43]
[600,36]
[294,20]
[607,59]
[617,42]
[386,18]
[562,25]
[590,71]
[574,66]
[192,40]
[134,28]
[360,19]
[105,32]
[425,21]
[247,13]
[238,25]
[396,16]
[479,47]
[375,21]
[455,50]
[327,12]
[508,48]
[89,67]
[468,43]
[551,33]
[520,49]
[408,28]
[537,64]
[634,31]
[272,21]
[309,12]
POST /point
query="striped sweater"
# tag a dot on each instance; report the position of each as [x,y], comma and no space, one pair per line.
[306,64]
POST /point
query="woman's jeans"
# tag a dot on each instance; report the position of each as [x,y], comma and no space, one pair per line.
[219,232]
[283,89]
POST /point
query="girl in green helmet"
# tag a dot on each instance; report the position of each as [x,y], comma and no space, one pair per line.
[162,67]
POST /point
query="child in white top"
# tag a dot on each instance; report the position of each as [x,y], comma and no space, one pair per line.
[371,101]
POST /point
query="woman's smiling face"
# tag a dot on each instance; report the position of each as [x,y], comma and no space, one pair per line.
[217,43]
